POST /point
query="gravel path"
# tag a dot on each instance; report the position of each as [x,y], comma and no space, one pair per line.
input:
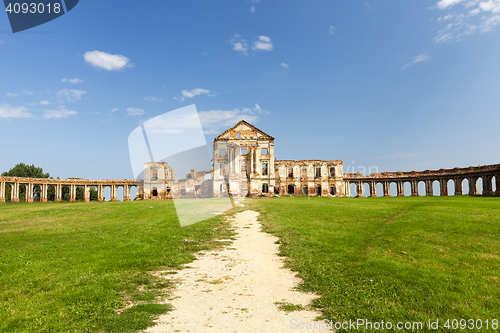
[235,289]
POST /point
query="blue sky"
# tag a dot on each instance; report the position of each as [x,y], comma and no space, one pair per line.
[401,85]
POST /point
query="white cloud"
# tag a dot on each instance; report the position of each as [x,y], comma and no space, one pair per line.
[252,9]
[194,92]
[443,4]
[284,65]
[134,112]
[215,120]
[7,111]
[72,81]
[416,60]
[110,62]
[152,99]
[465,19]
[263,44]
[58,114]
[44,102]
[12,94]
[71,95]
[114,110]
[332,29]
[239,44]
[259,110]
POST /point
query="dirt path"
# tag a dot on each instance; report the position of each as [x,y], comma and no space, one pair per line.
[235,289]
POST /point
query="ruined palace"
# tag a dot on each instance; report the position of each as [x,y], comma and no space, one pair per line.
[244,165]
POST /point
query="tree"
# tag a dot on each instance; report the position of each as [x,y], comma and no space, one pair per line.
[27,171]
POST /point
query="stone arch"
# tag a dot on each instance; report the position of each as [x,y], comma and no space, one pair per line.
[407,188]
[451,186]
[465,186]
[354,190]
[120,192]
[479,184]
[366,190]
[436,188]
[290,189]
[51,192]
[106,193]
[394,189]
[134,189]
[494,185]
[380,189]
[421,190]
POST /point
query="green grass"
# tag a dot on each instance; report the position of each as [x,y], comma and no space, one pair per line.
[392,259]
[69,267]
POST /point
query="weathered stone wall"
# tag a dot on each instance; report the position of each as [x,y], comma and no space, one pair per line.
[309,177]
[428,177]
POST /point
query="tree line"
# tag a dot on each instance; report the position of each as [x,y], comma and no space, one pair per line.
[30,171]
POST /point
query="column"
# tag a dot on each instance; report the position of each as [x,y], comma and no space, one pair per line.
[113,192]
[28,196]
[497,182]
[43,192]
[58,189]
[126,192]
[487,186]
[2,191]
[400,188]
[14,193]
[72,193]
[428,188]
[414,188]
[387,189]
[359,188]
[458,186]
[373,189]
[347,188]
[86,193]
[472,185]
[100,193]
[443,187]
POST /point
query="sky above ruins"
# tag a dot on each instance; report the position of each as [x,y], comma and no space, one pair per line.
[393,85]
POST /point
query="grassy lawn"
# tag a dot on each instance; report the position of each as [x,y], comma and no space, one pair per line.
[393,259]
[67,267]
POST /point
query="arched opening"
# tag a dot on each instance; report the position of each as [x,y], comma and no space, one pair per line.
[51,193]
[120,192]
[291,189]
[451,187]
[436,189]
[465,186]
[106,196]
[318,190]
[7,192]
[493,184]
[354,190]
[394,189]
[133,192]
[407,189]
[65,193]
[366,190]
[305,191]
[380,189]
[480,186]
[421,188]
[333,190]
